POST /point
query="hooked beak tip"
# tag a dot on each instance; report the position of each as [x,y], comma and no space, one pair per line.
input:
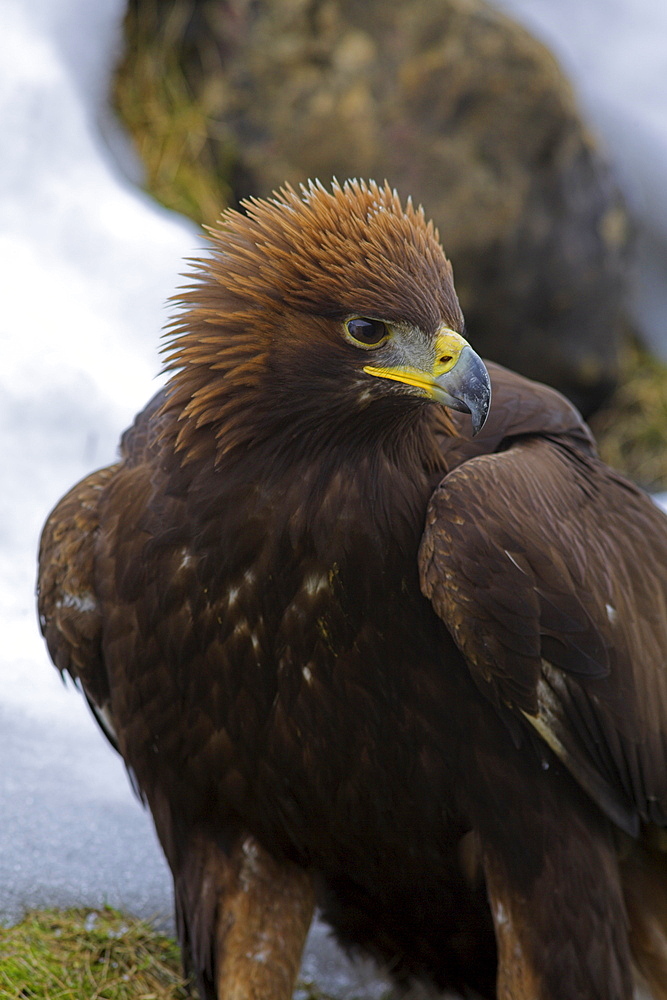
[467,388]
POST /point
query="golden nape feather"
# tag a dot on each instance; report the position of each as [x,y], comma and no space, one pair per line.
[374,628]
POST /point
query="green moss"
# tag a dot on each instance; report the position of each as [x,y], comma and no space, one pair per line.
[87,954]
[632,428]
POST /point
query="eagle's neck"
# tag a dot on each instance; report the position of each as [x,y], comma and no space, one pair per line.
[280,432]
[326,488]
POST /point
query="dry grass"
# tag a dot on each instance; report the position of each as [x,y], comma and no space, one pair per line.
[172,125]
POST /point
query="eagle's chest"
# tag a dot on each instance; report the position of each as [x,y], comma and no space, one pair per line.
[305,627]
[303,677]
[304,589]
[333,664]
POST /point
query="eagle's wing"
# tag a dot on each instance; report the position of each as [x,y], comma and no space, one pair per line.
[550,572]
[69,612]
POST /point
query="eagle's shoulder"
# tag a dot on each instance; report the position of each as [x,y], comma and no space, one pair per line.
[143,440]
[68,605]
[519,408]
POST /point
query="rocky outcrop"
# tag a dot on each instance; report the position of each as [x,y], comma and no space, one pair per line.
[454,104]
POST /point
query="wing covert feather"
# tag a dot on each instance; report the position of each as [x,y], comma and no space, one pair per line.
[69,612]
[68,601]
[550,572]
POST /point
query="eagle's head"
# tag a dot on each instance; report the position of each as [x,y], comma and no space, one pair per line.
[326,311]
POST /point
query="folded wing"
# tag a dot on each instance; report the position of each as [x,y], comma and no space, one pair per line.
[550,572]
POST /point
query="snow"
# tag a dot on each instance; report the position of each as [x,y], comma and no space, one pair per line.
[87,264]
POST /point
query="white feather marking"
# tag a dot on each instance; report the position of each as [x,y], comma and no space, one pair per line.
[500,914]
[186,559]
[314,584]
[105,721]
[251,865]
[611,613]
[307,675]
[505,931]
[513,560]
[80,602]
[258,956]
[241,627]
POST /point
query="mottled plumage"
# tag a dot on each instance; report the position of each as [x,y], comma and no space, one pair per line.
[351,652]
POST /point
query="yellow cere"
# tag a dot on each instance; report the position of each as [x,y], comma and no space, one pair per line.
[448,347]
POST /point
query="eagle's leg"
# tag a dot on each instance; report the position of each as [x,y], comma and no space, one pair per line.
[266,916]
[550,860]
[644,878]
[559,915]
[517,979]
[243,918]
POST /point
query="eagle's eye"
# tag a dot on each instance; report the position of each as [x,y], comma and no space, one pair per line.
[366,332]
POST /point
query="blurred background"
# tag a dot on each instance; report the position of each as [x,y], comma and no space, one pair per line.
[534,132]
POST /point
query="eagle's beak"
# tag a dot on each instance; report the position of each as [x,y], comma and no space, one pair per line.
[458,379]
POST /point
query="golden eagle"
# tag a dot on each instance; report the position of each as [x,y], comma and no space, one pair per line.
[364,638]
